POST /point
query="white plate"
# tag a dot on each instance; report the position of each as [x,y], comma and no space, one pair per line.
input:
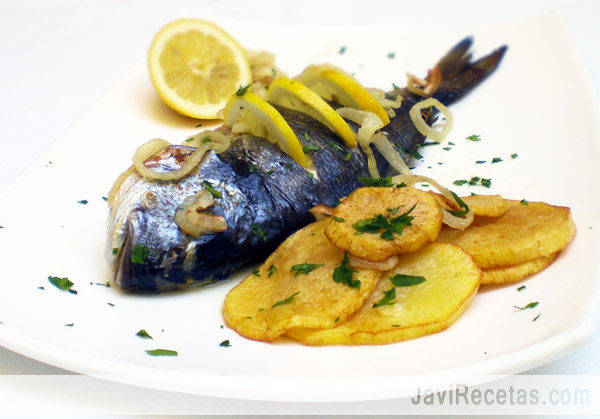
[539,104]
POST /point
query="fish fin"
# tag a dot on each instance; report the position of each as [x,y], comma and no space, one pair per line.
[460,74]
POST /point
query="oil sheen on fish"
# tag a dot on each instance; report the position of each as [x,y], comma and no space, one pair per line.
[264,194]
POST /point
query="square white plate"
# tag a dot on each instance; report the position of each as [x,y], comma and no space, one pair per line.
[540,104]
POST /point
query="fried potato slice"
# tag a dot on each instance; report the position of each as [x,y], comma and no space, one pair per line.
[295,287]
[480,205]
[523,233]
[514,273]
[371,206]
[451,281]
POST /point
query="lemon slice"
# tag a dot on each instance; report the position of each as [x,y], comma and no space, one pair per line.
[294,95]
[332,83]
[196,67]
[252,114]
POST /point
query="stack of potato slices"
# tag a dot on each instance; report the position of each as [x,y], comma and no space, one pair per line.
[381,267]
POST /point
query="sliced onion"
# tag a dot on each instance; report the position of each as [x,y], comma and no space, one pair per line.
[216,141]
[386,265]
[387,150]
[191,218]
[321,211]
[423,127]
[427,87]
[369,122]
[112,194]
[448,218]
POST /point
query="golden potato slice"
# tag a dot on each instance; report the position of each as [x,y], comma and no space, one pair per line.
[523,233]
[514,273]
[451,280]
[296,287]
[356,224]
[480,205]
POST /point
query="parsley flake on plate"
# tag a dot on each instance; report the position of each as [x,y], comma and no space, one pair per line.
[533,304]
[143,334]
[60,283]
[161,352]
[225,343]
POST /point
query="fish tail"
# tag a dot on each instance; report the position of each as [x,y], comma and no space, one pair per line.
[460,74]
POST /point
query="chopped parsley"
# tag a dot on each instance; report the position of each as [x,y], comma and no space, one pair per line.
[514,155]
[309,147]
[342,274]
[447,148]
[338,219]
[459,182]
[69,324]
[395,86]
[1,227]
[83,202]
[536,317]
[465,208]
[206,140]
[306,137]
[370,181]
[480,162]
[310,174]
[305,268]
[474,181]
[143,334]
[161,352]
[115,250]
[486,182]
[140,254]
[521,288]
[253,168]
[348,156]
[198,126]
[530,305]
[391,55]
[110,304]
[524,202]
[241,90]
[258,232]
[342,49]
[386,223]
[225,343]
[402,280]
[285,301]
[335,146]
[255,272]
[60,283]
[272,270]
[105,199]
[496,160]
[207,185]
[474,137]
[273,72]
[388,298]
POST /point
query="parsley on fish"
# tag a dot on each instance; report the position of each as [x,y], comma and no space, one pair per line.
[402,280]
[285,301]
[369,181]
[258,232]
[143,334]
[309,147]
[389,225]
[305,268]
[161,352]
[140,254]
[335,146]
[60,283]
[342,274]
[209,187]
[388,298]
[115,250]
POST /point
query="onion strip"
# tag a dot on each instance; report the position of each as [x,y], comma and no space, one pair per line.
[112,194]
[448,219]
[387,150]
[423,127]
[191,219]
[216,141]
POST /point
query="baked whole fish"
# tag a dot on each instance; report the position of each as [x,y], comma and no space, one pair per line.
[262,193]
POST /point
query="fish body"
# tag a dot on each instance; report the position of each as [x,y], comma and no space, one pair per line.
[262,193]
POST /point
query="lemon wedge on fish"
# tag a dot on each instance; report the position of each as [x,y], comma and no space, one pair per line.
[294,95]
[196,67]
[247,112]
[334,84]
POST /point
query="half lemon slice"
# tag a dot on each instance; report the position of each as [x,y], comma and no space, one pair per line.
[196,67]
[252,114]
[332,83]
[294,95]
